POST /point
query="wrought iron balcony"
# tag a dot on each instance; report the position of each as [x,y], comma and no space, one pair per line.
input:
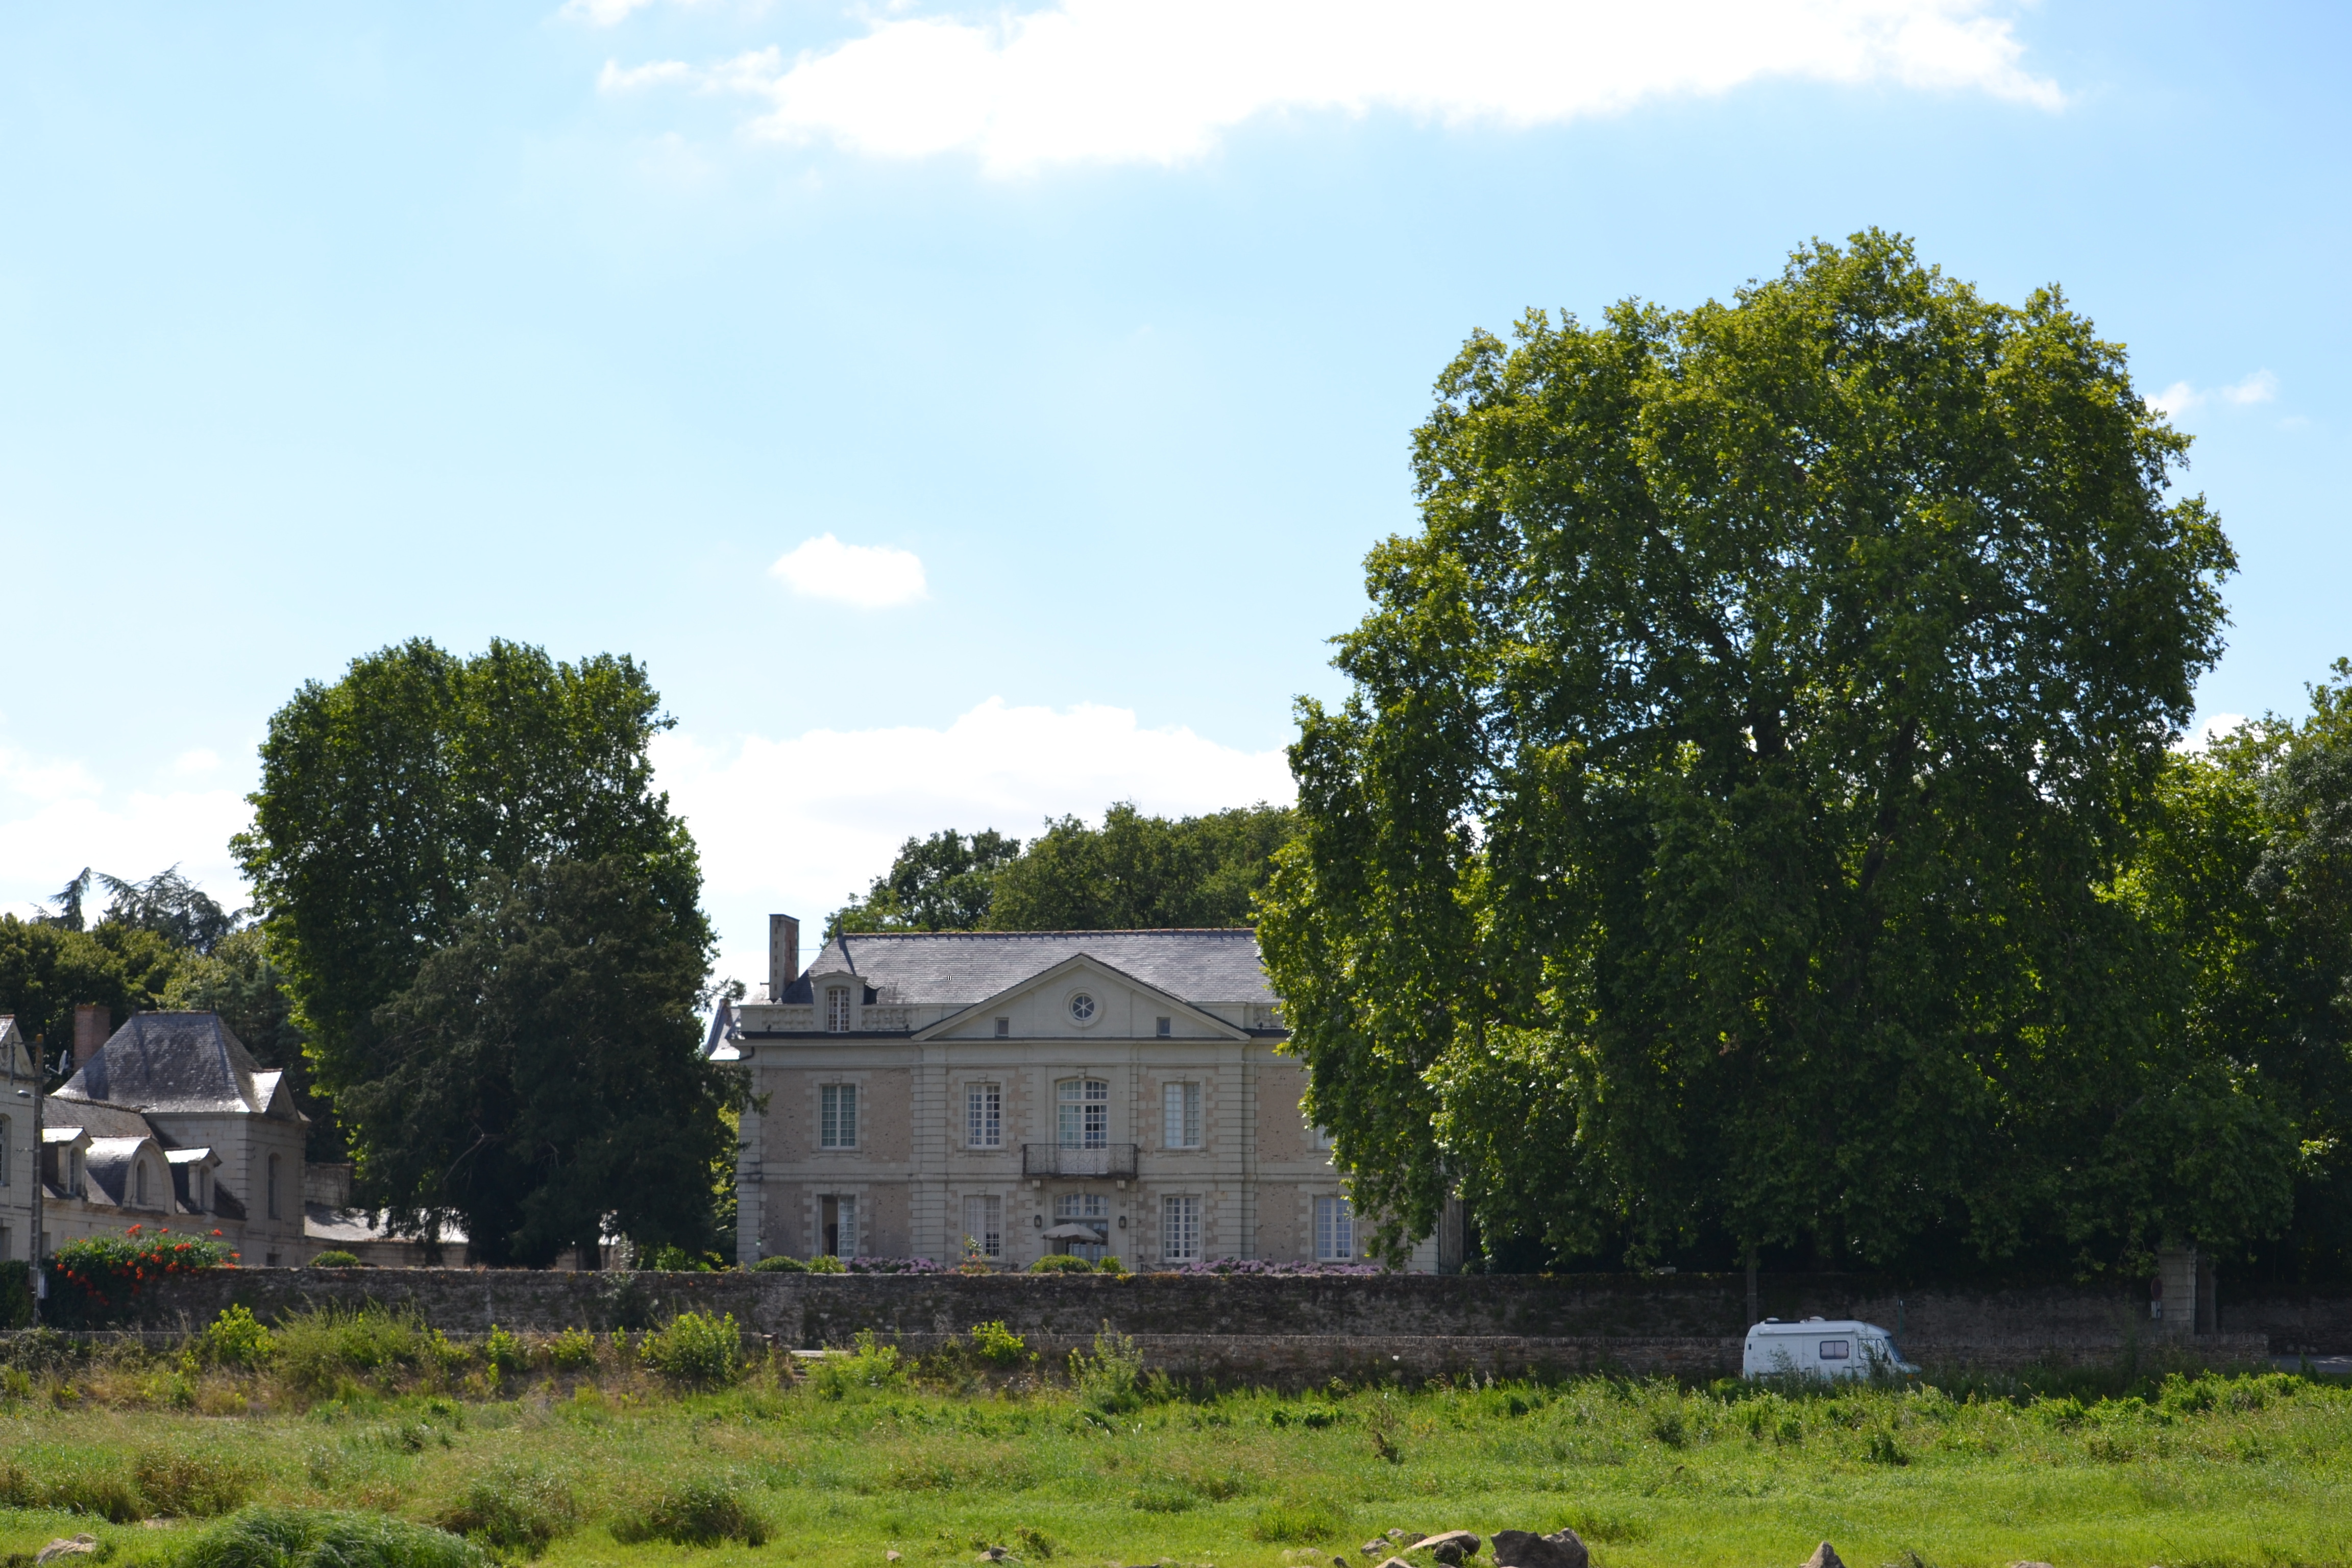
[1062,1160]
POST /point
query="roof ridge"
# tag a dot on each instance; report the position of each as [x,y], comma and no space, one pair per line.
[1110,931]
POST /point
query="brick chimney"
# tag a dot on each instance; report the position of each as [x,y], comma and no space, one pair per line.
[783,954]
[93,1022]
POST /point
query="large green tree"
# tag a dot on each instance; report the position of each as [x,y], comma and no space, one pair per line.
[541,1078]
[1719,845]
[944,882]
[389,800]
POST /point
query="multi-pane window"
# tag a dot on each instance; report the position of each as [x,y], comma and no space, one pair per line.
[1084,1114]
[983,1225]
[1335,1231]
[838,1220]
[836,1118]
[1181,1115]
[983,1117]
[1180,1230]
[1091,1210]
[836,1009]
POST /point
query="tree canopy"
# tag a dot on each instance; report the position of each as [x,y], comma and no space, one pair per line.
[1719,848]
[1134,872]
[402,812]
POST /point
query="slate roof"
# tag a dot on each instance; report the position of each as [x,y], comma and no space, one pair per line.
[174,1061]
[959,968]
[94,1117]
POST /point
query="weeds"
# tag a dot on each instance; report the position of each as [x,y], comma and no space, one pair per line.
[700,1511]
[309,1538]
[872,1365]
[573,1349]
[513,1510]
[191,1483]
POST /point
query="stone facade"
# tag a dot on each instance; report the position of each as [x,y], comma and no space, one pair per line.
[1104,1092]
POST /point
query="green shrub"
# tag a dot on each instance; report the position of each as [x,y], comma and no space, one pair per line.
[236,1339]
[95,1277]
[513,1508]
[872,1366]
[780,1264]
[825,1263]
[504,1352]
[996,1343]
[701,1511]
[179,1483]
[323,1538]
[1061,1263]
[1305,1523]
[15,1294]
[695,1351]
[336,1258]
[573,1349]
[1111,1265]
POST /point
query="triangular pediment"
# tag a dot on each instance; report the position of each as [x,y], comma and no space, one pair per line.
[1041,1008]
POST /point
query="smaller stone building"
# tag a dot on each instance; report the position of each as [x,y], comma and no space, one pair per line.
[171,1122]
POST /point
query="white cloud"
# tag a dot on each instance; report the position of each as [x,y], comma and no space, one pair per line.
[57,816]
[2212,729]
[1157,80]
[195,763]
[2178,398]
[660,73]
[870,576]
[801,825]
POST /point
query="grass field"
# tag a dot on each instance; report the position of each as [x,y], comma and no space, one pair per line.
[577,1450]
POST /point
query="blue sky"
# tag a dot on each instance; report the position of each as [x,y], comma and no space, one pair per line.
[329,324]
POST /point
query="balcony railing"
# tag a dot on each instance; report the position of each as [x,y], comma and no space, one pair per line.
[1060,1160]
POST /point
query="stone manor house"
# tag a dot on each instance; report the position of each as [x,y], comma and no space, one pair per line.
[1030,1093]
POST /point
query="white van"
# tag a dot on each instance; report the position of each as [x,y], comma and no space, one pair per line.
[1820,1347]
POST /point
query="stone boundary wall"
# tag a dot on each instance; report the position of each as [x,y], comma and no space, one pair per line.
[1688,1324]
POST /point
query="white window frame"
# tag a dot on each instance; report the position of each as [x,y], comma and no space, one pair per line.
[1335,1231]
[836,1116]
[847,1234]
[836,1009]
[1180,1115]
[1082,1113]
[1180,1228]
[984,1116]
[983,1221]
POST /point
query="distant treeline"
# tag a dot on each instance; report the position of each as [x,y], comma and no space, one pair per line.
[1134,872]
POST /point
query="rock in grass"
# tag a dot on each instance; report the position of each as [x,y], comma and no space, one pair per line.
[1562,1548]
[1824,1556]
[1449,1547]
[1374,1547]
[2029,1565]
[1399,1535]
[61,1547]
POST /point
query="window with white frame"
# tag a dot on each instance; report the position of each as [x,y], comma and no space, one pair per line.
[836,1118]
[1181,1115]
[983,1115]
[837,1226]
[1322,1136]
[983,1225]
[1180,1230]
[1335,1231]
[1091,1210]
[836,1009]
[1084,1114]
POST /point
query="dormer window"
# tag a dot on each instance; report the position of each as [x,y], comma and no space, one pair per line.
[836,1009]
[139,1184]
